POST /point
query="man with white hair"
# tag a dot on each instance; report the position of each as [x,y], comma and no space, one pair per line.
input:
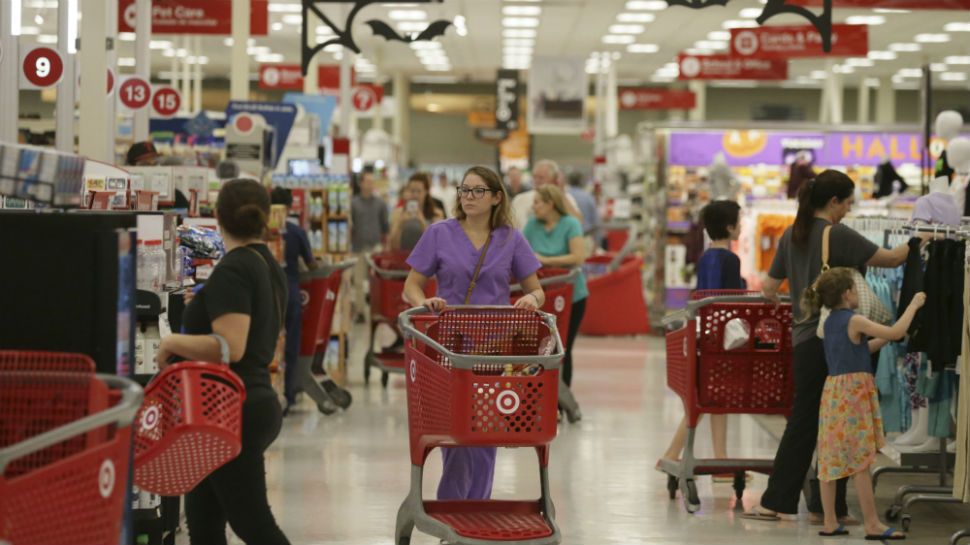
[545,172]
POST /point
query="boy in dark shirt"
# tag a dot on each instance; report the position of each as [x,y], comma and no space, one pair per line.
[717,269]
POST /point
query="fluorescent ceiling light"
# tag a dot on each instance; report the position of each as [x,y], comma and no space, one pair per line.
[910,73]
[412,26]
[818,74]
[646,5]
[618,39]
[860,62]
[126,61]
[905,47]
[271,57]
[252,50]
[735,23]
[168,53]
[161,44]
[871,82]
[938,67]
[888,10]
[932,38]
[284,8]
[719,35]
[636,17]
[519,50]
[520,22]
[460,25]
[126,36]
[626,29]
[277,26]
[408,15]
[750,13]
[842,69]
[514,41]
[29,31]
[203,60]
[958,60]
[643,48]
[519,33]
[47,39]
[709,44]
[324,29]
[292,19]
[957,27]
[521,10]
[16,14]
[418,46]
[953,76]
[871,20]
[882,55]
[698,51]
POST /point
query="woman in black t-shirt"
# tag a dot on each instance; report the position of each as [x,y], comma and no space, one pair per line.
[236,318]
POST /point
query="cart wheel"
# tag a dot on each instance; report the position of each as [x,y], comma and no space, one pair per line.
[672,485]
[340,396]
[739,484]
[384,378]
[327,407]
[892,514]
[691,501]
[367,359]
[904,522]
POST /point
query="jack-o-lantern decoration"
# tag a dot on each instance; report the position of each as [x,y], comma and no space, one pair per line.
[744,143]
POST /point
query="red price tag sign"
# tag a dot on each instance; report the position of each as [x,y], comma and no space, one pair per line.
[41,67]
[166,101]
[135,93]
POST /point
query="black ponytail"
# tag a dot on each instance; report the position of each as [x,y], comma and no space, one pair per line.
[815,195]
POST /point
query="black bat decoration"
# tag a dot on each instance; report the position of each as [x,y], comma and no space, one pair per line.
[382,29]
[697,4]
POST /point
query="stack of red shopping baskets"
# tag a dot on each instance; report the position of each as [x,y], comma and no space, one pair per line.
[388,271]
[65,439]
[188,426]
[480,376]
[753,378]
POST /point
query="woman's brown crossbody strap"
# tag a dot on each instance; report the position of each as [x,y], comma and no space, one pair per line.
[478,269]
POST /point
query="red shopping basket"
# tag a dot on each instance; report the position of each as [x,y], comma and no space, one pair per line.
[319,300]
[65,440]
[188,426]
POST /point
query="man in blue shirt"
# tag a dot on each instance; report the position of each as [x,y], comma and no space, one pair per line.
[587,205]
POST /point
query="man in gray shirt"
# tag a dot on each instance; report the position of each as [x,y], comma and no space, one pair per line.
[369,227]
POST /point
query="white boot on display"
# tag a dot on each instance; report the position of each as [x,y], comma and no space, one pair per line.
[918,432]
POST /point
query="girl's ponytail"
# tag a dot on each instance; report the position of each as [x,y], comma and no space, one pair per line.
[811,301]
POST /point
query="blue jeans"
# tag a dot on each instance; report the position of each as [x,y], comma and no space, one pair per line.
[294,326]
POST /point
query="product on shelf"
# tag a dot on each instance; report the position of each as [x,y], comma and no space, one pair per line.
[202,243]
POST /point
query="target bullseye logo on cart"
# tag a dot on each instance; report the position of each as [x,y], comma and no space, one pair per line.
[106,478]
[414,370]
[560,303]
[150,418]
[507,402]
[304,298]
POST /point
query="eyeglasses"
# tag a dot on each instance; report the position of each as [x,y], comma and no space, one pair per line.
[475,192]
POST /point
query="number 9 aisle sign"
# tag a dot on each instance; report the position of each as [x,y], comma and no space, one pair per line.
[40,68]
[166,102]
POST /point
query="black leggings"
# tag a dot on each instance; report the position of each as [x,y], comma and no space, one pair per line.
[575,320]
[794,456]
[236,492]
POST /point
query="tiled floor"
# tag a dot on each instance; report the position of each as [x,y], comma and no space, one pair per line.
[340,479]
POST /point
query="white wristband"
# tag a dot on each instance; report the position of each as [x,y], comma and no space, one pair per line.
[223,347]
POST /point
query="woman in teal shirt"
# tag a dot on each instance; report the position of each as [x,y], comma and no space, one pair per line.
[557,239]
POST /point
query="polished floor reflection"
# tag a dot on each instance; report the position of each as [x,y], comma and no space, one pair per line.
[340,479]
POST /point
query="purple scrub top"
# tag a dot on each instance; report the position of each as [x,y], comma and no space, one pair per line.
[445,252]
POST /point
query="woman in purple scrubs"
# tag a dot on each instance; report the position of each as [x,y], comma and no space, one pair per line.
[450,250]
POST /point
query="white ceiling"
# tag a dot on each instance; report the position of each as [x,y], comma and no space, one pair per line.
[565,28]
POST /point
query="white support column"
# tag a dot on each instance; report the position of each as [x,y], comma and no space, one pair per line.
[832,95]
[94,61]
[9,71]
[599,119]
[311,82]
[863,104]
[186,75]
[885,101]
[699,113]
[402,116]
[64,128]
[346,63]
[175,80]
[197,76]
[111,114]
[611,121]
[143,61]
[239,68]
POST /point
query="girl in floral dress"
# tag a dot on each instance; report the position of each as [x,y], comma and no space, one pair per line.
[850,426]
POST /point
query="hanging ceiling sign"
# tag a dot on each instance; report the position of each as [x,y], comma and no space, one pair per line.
[786,42]
[195,17]
[507,100]
[890,4]
[642,98]
[708,67]
[40,68]
[289,77]
[166,101]
[367,96]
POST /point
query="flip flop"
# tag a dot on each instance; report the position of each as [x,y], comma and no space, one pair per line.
[889,535]
[840,531]
[758,514]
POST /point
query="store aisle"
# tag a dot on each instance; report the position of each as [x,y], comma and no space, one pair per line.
[339,480]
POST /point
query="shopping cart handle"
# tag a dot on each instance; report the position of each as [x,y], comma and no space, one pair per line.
[689,313]
[386,273]
[549,280]
[324,271]
[469,361]
[122,414]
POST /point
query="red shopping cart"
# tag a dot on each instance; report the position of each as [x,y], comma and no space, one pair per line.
[319,290]
[558,286]
[388,271]
[188,426]
[754,378]
[65,442]
[463,390]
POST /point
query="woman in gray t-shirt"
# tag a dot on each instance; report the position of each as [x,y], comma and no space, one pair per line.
[821,202]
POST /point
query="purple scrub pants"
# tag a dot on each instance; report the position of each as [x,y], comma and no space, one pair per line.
[467,474]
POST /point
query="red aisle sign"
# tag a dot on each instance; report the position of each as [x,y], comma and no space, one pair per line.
[289,77]
[111,80]
[785,42]
[135,93]
[367,96]
[889,4]
[166,101]
[41,67]
[641,98]
[195,17]
[728,67]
